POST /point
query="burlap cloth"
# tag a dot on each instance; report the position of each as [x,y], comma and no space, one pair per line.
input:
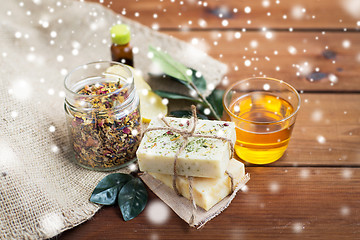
[42,193]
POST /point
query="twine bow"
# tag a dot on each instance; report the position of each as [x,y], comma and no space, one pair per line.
[186,134]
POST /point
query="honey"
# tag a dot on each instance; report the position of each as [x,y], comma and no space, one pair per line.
[263,127]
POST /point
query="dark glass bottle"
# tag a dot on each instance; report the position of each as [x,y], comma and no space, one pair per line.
[121,50]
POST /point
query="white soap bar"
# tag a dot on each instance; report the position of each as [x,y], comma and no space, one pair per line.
[202,157]
[206,191]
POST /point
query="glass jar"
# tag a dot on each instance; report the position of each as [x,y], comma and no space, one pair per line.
[103,116]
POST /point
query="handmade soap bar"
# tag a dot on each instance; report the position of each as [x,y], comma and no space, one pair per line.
[206,191]
[202,157]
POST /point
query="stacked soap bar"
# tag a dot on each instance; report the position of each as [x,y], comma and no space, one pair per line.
[206,191]
[202,157]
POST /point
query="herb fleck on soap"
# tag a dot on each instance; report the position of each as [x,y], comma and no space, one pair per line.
[201,157]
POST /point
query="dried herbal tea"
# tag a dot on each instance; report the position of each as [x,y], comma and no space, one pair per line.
[106,136]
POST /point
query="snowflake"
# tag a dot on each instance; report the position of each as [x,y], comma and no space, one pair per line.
[21,89]
[265,3]
[346,44]
[297,12]
[52,128]
[14,114]
[157,212]
[292,50]
[247,9]
[225,23]
[274,187]
[51,224]
[60,58]
[321,139]
[297,227]
[269,35]
[317,116]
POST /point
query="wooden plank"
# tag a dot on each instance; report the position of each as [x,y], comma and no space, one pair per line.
[326,133]
[192,14]
[292,53]
[280,203]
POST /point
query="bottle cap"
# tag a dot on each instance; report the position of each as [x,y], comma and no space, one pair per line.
[120,34]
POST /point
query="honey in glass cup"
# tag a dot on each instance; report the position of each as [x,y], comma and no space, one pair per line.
[264,112]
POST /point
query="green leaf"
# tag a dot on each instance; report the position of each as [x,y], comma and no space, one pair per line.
[171,95]
[169,66]
[198,80]
[215,99]
[132,199]
[164,77]
[184,113]
[106,191]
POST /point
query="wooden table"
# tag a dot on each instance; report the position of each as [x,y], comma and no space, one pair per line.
[313,192]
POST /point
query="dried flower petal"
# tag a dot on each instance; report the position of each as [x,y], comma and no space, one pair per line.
[97,138]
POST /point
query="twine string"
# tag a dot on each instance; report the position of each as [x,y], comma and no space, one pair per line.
[192,200]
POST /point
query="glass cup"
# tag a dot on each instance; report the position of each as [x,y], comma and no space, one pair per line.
[264,112]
